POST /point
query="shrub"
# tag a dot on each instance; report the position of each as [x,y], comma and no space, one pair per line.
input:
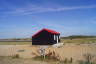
[53,55]
[71,60]
[16,56]
[67,61]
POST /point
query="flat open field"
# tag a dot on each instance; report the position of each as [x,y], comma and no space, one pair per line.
[10,60]
[76,41]
[79,41]
[15,43]
[68,51]
[75,49]
[22,42]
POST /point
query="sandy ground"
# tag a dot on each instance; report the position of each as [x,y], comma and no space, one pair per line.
[9,60]
[67,51]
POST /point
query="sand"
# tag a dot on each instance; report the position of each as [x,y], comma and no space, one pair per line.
[67,51]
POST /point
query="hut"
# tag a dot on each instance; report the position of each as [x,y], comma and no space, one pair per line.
[46,37]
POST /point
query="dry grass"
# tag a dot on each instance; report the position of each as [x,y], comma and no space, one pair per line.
[75,52]
[10,60]
[79,41]
[50,56]
[15,43]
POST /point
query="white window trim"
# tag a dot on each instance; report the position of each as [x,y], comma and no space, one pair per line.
[59,36]
[54,37]
[57,39]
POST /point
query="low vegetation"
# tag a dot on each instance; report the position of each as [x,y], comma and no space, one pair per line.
[67,61]
[88,59]
[16,56]
[79,39]
[14,43]
[17,39]
[51,56]
[11,60]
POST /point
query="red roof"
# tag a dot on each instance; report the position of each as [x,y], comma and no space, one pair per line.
[48,30]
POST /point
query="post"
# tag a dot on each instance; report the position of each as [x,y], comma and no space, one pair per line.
[42,51]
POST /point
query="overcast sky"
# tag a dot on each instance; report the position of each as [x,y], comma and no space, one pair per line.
[22,18]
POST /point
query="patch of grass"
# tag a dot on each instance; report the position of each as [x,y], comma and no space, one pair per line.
[16,56]
[10,60]
[21,50]
[81,41]
[67,61]
[88,59]
[51,56]
[47,59]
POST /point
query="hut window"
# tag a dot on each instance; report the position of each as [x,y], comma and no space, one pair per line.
[54,37]
[59,37]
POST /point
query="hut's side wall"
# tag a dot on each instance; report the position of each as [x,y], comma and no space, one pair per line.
[43,38]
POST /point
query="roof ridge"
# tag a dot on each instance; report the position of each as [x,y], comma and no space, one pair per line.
[48,30]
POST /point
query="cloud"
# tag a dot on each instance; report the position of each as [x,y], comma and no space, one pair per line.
[41,9]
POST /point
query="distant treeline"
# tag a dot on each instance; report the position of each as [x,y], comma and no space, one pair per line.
[17,39]
[78,36]
[68,37]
